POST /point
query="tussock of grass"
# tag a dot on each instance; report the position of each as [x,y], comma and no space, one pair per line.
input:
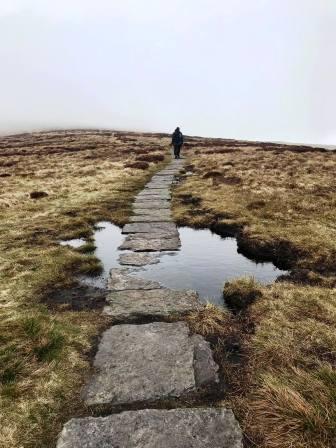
[240,293]
[44,354]
[209,321]
[88,247]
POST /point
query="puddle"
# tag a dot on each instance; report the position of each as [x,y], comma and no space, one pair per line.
[204,263]
[107,238]
[75,243]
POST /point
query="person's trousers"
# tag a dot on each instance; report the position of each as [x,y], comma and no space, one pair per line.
[177,149]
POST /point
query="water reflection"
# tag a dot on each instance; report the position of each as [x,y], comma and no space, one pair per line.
[204,262]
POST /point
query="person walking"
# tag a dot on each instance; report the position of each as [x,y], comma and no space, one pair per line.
[177,142]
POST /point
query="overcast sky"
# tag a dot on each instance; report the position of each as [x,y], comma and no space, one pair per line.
[256,69]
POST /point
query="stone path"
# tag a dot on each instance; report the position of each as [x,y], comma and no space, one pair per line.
[148,358]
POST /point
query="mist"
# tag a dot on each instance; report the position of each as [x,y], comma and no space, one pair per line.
[254,70]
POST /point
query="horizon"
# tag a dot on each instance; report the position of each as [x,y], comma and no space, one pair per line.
[61,129]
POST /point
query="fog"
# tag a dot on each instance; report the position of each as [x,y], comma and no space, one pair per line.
[261,69]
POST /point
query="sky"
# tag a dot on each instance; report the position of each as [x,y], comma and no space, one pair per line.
[248,69]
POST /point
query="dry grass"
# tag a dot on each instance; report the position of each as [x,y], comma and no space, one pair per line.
[44,356]
[278,362]
[277,353]
[269,196]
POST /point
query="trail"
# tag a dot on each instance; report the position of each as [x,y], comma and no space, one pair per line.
[148,369]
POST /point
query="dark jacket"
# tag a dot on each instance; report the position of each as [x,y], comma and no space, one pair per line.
[177,138]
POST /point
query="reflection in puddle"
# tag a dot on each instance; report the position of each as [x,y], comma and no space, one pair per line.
[107,239]
[204,263]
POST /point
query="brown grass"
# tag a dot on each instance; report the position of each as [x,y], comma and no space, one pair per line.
[45,352]
[277,353]
[268,197]
[137,165]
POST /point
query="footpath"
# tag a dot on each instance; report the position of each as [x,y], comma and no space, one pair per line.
[149,371]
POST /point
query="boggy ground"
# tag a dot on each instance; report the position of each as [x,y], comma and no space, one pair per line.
[53,186]
[277,350]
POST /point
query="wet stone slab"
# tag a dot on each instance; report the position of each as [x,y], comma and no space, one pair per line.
[154,428]
[121,280]
[160,303]
[149,228]
[153,236]
[138,259]
[148,363]
[140,244]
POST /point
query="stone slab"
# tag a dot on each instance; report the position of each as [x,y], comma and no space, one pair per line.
[170,172]
[139,244]
[122,279]
[153,197]
[153,236]
[157,186]
[138,259]
[155,428]
[152,212]
[155,204]
[146,363]
[148,191]
[149,228]
[165,178]
[159,183]
[146,218]
[159,303]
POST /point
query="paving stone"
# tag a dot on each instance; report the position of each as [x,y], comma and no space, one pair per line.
[162,179]
[160,303]
[138,259]
[158,183]
[163,212]
[165,182]
[149,228]
[140,244]
[150,195]
[154,235]
[122,279]
[150,218]
[170,172]
[146,363]
[156,204]
[155,187]
[155,428]
[161,192]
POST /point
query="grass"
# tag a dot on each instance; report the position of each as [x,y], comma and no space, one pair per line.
[77,179]
[278,360]
[268,196]
[277,352]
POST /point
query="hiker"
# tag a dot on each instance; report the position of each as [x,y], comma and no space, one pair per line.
[177,142]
